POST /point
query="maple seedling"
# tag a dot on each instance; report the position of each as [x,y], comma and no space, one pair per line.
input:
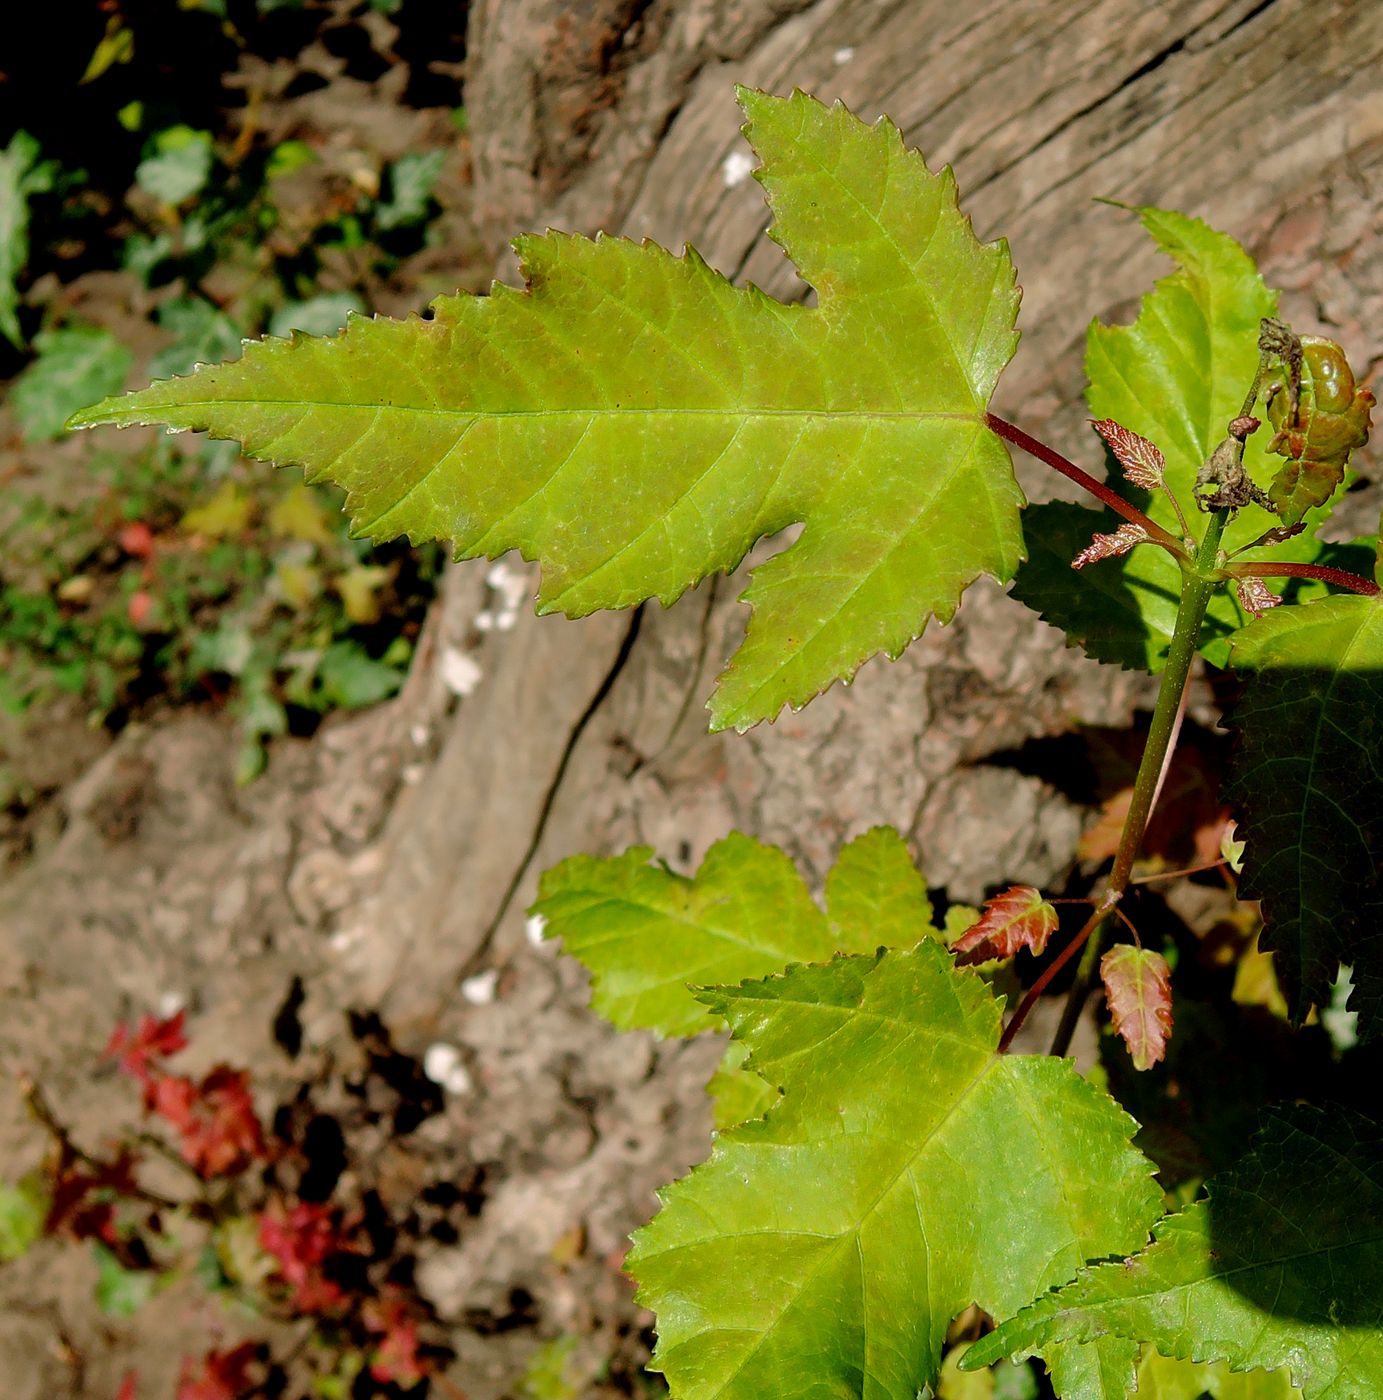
[636,423]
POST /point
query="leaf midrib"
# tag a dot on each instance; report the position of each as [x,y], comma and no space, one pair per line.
[92,419]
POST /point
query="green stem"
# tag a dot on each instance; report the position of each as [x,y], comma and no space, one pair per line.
[1198,584]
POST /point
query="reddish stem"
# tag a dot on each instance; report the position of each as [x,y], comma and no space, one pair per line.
[1339,577]
[1050,971]
[1052,458]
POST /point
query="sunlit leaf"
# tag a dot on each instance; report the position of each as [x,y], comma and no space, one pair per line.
[907,1171]
[1176,377]
[699,415]
[1018,918]
[647,936]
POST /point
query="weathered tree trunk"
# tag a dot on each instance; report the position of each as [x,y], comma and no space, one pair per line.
[393,859]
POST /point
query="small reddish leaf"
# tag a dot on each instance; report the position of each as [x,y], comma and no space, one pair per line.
[137,540]
[215,1119]
[1018,918]
[301,1240]
[127,1387]
[85,1195]
[1110,546]
[395,1356]
[1138,988]
[1254,596]
[140,606]
[224,1375]
[135,1050]
[1142,461]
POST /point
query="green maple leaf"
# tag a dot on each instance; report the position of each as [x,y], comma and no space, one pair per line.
[1277,1269]
[1176,376]
[906,1171]
[635,422]
[648,936]
[1167,1378]
[1307,778]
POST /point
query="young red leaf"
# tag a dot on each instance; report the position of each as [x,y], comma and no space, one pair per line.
[135,1050]
[85,1196]
[127,1387]
[1142,461]
[224,1375]
[1109,546]
[1138,987]
[215,1119]
[395,1355]
[1255,597]
[301,1240]
[1018,918]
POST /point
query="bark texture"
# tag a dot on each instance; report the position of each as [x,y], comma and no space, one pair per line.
[390,862]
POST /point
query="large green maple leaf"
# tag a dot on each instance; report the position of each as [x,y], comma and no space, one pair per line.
[906,1171]
[637,423]
[1177,376]
[1307,777]
[648,935]
[1278,1268]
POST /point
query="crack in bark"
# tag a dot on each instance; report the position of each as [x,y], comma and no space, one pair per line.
[602,693]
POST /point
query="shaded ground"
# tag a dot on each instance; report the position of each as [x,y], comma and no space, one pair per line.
[385,863]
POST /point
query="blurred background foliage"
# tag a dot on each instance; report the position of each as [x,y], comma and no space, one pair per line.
[174,179]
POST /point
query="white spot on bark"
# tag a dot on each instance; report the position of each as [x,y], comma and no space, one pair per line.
[735,168]
[480,989]
[842,56]
[460,674]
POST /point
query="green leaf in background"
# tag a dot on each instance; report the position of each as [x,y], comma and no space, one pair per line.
[1176,376]
[411,179]
[73,364]
[647,935]
[1166,1378]
[907,1171]
[120,1292]
[1277,1269]
[22,174]
[637,423]
[201,335]
[1307,780]
[351,679]
[176,164]
[324,314]
[23,1211]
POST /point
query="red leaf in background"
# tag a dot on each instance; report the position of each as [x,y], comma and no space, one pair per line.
[137,540]
[215,1119]
[73,1211]
[1018,918]
[396,1355]
[140,606]
[1186,824]
[1138,987]
[224,1375]
[153,1039]
[127,1387]
[301,1240]
[1141,460]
